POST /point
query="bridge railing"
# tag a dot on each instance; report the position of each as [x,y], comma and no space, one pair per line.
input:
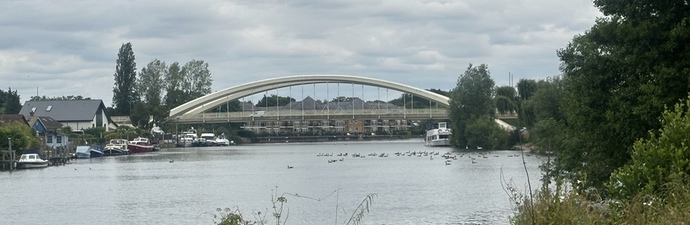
[315,115]
[342,114]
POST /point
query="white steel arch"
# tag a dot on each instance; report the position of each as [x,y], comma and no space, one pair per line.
[215,99]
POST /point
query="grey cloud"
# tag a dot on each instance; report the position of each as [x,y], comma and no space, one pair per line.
[422,43]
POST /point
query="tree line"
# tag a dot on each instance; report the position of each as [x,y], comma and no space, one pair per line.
[148,97]
[9,102]
[618,116]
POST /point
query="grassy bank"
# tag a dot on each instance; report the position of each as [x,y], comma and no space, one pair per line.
[562,206]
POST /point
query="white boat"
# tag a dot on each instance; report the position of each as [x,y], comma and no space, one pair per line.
[187,138]
[206,139]
[116,147]
[221,140]
[31,160]
[438,136]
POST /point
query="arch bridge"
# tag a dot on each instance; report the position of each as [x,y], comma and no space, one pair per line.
[195,111]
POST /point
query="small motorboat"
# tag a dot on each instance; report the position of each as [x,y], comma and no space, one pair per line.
[83,152]
[31,160]
[96,151]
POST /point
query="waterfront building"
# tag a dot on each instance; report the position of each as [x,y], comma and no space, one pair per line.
[77,114]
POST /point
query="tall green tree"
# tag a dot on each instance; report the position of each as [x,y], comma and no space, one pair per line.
[174,93]
[547,101]
[619,76]
[150,85]
[471,100]
[546,115]
[198,79]
[9,102]
[506,100]
[124,92]
[526,88]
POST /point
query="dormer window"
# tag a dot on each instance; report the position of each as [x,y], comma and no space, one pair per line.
[49,108]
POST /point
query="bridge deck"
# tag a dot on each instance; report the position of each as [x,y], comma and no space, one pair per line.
[311,115]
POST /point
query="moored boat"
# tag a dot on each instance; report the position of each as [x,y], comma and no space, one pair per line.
[438,136]
[221,140]
[208,138]
[31,160]
[96,151]
[116,147]
[83,152]
[139,145]
[187,138]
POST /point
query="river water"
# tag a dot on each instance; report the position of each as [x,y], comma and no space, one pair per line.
[187,185]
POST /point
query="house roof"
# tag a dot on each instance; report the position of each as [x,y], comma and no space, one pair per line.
[6,118]
[64,110]
[49,123]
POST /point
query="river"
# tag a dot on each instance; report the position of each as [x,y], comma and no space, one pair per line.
[187,185]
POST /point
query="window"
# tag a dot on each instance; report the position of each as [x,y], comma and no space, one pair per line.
[59,139]
[49,139]
[49,108]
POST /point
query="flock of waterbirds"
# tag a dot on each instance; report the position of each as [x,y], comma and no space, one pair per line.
[447,156]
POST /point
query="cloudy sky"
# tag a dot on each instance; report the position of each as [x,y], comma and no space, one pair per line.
[69,47]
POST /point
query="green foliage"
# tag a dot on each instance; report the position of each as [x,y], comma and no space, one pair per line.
[526,88]
[150,84]
[478,132]
[547,101]
[197,79]
[248,134]
[9,102]
[471,102]
[124,92]
[23,137]
[139,115]
[97,134]
[549,135]
[649,209]
[229,216]
[174,94]
[232,106]
[273,100]
[506,100]
[125,132]
[658,160]
[561,206]
[417,102]
[544,115]
[619,76]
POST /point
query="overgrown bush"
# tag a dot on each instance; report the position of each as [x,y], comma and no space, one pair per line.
[654,188]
